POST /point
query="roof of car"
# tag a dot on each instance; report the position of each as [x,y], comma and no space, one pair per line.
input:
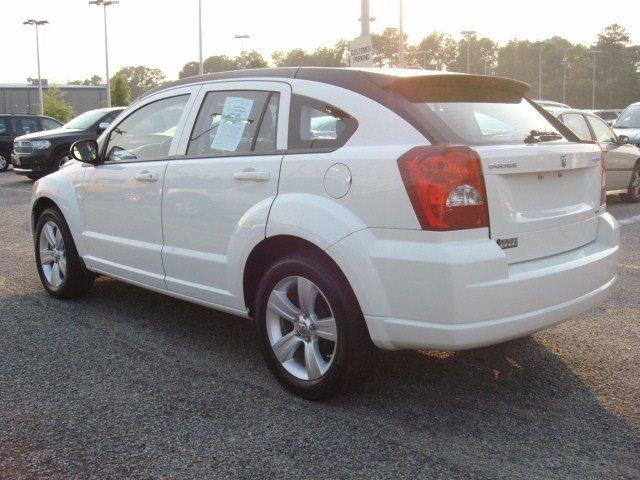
[356,79]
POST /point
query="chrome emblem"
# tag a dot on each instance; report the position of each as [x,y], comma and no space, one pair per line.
[563,161]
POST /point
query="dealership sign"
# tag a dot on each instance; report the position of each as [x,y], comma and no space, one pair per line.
[361,52]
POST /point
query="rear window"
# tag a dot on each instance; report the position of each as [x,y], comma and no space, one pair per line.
[474,112]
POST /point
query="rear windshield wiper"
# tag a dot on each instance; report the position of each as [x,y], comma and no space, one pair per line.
[536,136]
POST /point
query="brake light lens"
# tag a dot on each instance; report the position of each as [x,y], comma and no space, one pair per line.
[603,178]
[445,186]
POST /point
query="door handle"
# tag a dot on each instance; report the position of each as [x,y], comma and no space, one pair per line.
[146,176]
[251,174]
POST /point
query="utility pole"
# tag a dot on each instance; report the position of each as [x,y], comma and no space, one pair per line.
[468,34]
[31,21]
[565,63]
[201,65]
[540,73]
[593,78]
[401,40]
[105,4]
[364,18]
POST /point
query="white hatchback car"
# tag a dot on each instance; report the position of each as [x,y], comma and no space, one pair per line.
[340,209]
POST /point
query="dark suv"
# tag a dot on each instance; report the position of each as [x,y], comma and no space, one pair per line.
[13,125]
[38,154]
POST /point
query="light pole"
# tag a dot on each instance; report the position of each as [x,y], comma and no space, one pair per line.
[104,4]
[593,78]
[401,39]
[364,18]
[31,21]
[565,63]
[201,65]
[468,34]
[242,38]
[540,71]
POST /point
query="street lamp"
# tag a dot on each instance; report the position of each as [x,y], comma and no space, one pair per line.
[593,79]
[401,40]
[104,4]
[31,21]
[468,34]
[201,65]
[565,64]
[540,72]
[243,38]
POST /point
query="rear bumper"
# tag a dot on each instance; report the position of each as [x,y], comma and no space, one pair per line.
[454,296]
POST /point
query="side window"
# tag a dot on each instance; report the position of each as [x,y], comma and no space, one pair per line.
[147,133]
[601,130]
[50,124]
[3,127]
[316,124]
[577,124]
[235,122]
[23,126]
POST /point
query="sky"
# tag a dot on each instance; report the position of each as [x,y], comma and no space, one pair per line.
[164,33]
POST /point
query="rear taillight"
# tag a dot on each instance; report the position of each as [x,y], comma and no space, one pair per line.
[445,186]
[603,178]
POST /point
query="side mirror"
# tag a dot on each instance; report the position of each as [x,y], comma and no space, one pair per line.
[623,139]
[103,126]
[85,151]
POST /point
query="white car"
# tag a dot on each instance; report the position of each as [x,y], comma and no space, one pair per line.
[622,159]
[430,210]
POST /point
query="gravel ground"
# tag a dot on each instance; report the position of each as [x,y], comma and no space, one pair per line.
[131,384]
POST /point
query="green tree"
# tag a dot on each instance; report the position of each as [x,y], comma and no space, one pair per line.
[189,69]
[94,81]
[249,59]
[142,79]
[436,51]
[120,91]
[386,47]
[56,106]
[336,56]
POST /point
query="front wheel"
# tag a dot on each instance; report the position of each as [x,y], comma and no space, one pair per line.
[633,193]
[60,268]
[311,331]
[4,163]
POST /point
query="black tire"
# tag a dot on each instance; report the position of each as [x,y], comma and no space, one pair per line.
[78,280]
[58,159]
[4,162]
[354,352]
[633,193]
[33,177]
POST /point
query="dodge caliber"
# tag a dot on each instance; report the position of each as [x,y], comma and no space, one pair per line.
[341,210]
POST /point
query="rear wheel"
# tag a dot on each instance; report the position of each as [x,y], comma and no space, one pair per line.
[60,159]
[633,193]
[312,333]
[4,163]
[60,268]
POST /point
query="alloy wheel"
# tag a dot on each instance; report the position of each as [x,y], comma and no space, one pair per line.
[301,328]
[634,186]
[53,256]
[3,162]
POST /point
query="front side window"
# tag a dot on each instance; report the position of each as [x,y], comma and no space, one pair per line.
[23,126]
[50,124]
[147,133]
[602,132]
[316,124]
[577,124]
[235,122]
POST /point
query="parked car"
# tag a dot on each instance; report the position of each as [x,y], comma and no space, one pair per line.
[609,116]
[622,159]
[439,211]
[13,125]
[551,104]
[39,153]
[628,123]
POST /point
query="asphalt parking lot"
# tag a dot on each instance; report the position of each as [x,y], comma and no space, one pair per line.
[126,383]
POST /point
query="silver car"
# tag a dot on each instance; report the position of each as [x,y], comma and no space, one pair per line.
[622,157]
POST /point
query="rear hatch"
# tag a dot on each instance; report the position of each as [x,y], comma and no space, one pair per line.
[542,184]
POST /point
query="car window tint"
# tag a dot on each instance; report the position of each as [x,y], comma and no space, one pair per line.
[315,124]
[577,124]
[23,126]
[228,122]
[50,124]
[266,139]
[602,131]
[146,134]
[3,127]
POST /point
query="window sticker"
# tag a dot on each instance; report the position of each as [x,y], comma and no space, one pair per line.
[233,120]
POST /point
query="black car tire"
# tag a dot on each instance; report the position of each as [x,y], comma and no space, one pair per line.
[633,193]
[4,162]
[33,177]
[59,159]
[77,279]
[354,352]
